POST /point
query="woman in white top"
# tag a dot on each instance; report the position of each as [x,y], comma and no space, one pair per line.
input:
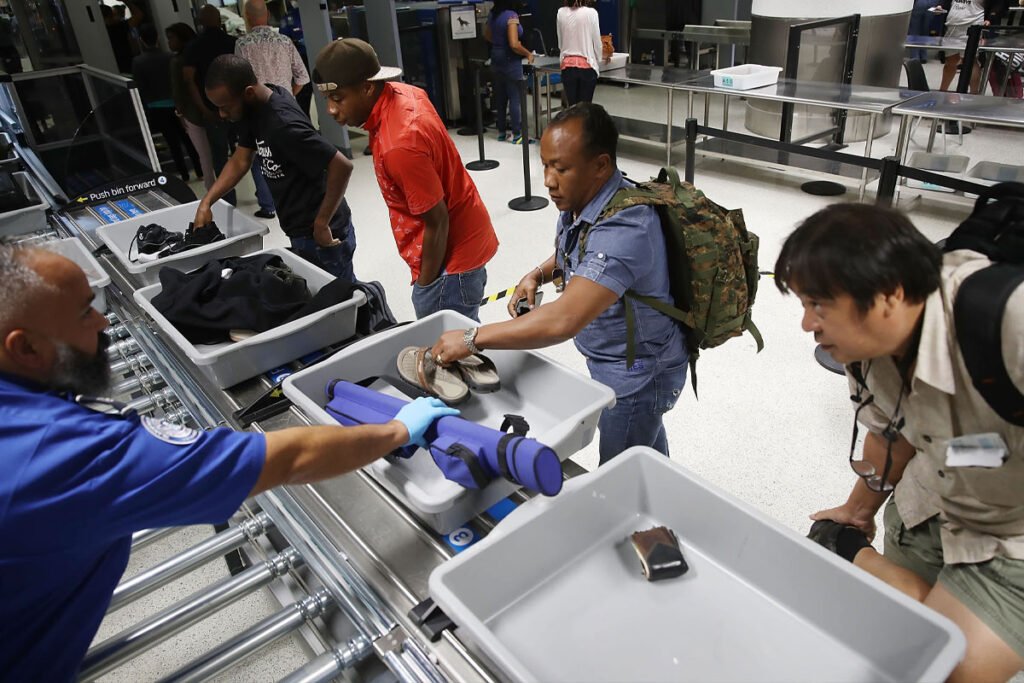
[579,39]
[962,15]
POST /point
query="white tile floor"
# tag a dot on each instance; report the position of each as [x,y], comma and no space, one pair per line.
[771,429]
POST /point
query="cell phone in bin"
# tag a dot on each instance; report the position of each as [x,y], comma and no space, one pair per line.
[523,306]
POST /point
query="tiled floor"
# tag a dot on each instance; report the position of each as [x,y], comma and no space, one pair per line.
[771,428]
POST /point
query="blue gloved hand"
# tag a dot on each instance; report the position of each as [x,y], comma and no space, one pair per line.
[420,414]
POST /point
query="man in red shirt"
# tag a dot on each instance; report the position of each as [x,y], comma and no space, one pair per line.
[440,223]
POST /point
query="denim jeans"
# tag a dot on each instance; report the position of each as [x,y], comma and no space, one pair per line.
[460,292]
[508,79]
[579,85]
[636,419]
[263,196]
[336,260]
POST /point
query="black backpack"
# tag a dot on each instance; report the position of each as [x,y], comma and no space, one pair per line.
[995,228]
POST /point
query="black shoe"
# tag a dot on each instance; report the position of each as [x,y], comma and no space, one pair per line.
[265,214]
[151,240]
[195,237]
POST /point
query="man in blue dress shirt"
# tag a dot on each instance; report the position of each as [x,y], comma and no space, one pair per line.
[76,481]
[625,251]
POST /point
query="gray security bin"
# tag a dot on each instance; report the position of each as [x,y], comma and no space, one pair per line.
[229,363]
[73,249]
[561,406]
[10,161]
[28,218]
[242,235]
[555,593]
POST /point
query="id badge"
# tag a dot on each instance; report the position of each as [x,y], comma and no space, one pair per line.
[977,450]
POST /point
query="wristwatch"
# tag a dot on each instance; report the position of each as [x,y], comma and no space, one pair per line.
[469,338]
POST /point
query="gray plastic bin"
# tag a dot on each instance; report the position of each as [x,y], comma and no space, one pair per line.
[561,406]
[29,218]
[242,235]
[229,363]
[555,593]
[72,248]
[11,162]
[941,163]
[996,172]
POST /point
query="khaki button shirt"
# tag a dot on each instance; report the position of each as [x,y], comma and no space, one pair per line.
[981,509]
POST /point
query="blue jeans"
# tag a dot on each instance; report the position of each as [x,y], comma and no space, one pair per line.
[508,79]
[263,196]
[636,419]
[336,260]
[459,292]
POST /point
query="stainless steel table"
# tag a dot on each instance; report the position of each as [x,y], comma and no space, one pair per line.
[872,100]
[669,78]
[978,109]
[935,43]
[1010,44]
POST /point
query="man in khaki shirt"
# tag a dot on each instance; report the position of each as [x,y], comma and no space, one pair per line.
[879,297]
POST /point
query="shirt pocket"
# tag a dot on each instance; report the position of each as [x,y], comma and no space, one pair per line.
[990,487]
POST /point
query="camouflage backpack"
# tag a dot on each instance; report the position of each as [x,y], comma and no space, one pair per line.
[712,263]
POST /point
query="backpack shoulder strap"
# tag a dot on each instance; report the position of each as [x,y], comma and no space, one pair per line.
[978,317]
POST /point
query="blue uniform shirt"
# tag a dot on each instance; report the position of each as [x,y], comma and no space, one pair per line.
[626,251]
[74,485]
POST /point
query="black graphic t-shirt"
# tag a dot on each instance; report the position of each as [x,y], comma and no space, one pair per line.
[293,157]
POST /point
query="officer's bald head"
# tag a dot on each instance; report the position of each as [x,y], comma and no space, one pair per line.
[22,284]
[49,331]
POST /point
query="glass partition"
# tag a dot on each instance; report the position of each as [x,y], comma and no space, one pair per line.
[85,125]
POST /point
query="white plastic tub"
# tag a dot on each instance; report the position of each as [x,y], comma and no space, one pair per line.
[746,76]
[73,249]
[555,593]
[616,61]
[229,363]
[561,406]
[242,235]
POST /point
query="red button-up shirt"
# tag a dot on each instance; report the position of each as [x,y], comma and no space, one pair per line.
[417,166]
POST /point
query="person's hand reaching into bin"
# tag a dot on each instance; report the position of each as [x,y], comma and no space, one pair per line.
[418,416]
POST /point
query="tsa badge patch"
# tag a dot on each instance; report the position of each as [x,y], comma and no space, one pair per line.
[169,432]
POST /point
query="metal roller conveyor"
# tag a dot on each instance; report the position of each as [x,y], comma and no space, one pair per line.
[330,664]
[153,578]
[136,363]
[140,539]
[118,649]
[252,640]
[123,348]
[146,380]
[158,399]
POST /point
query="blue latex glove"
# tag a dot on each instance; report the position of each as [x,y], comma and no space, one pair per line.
[420,414]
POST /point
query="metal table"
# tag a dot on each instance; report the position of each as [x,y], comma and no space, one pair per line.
[978,109]
[1011,44]
[872,100]
[668,78]
[935,43]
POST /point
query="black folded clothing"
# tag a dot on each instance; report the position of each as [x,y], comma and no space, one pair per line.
[11,196]
[256,293]
[153,241]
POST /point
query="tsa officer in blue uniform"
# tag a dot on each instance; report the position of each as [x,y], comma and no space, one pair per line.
[78,476]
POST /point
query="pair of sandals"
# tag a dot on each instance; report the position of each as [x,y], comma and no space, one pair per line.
[452,384]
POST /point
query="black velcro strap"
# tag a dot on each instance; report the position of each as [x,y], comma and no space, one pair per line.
[503,459]
[518,423]
[978,315]
[468,457]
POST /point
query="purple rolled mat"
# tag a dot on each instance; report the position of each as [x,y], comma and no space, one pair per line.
[467,453]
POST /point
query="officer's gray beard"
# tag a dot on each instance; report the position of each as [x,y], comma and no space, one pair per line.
[78,372]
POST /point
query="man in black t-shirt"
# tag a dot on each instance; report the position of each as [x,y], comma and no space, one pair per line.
[307,175]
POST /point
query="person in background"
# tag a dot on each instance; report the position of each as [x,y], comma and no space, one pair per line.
[920,19]
[120,38]
[212,42]
[79,474]
[579,40]
[503,31]
[178,37]
[151,70]
[275,61]
[440,224]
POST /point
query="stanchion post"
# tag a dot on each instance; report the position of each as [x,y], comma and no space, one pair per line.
[481,164]
[887,181]
[691,149]
[527,202]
